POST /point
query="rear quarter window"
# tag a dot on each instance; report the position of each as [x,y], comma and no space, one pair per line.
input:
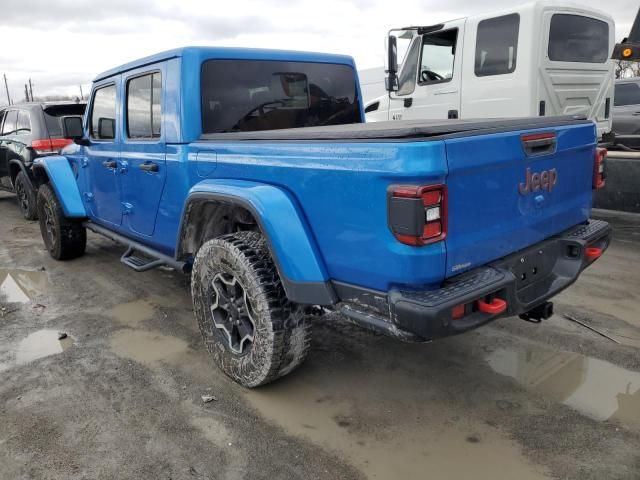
[253,95]
[574,38]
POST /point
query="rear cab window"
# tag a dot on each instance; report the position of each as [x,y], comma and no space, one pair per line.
[627,94]
[252,95]
[497,45]
[103,114]
[574,38]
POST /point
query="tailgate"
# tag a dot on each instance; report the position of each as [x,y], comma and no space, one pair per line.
[509,190]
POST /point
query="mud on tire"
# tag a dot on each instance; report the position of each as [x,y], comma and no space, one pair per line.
[280,339]
[64,238]
[26,197]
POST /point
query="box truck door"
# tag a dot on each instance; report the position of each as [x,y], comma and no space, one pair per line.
[438,77]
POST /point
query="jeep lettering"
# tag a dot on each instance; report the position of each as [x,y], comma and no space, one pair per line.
[544,180]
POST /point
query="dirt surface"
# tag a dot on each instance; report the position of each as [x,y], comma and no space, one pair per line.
[102,373]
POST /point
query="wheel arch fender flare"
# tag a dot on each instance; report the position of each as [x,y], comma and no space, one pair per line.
[60,175]
[21,166]
[280,219]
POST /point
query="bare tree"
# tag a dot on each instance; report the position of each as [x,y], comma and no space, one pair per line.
[625,69]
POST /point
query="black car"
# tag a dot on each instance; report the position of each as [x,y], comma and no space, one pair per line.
[626,112]
[29,131]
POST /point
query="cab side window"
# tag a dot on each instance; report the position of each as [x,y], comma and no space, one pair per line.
[497,45]
[438,55]
[144,115]
[24,123]
[103,114]
[9,127]
[2,114]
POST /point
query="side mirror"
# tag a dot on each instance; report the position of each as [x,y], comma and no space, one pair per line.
[106,128]
[72,127]
[391,82]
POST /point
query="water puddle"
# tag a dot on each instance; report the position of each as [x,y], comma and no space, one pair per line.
[21,286]
[372,422]
[40,344]
[597,389]
[133,313]
[146,347]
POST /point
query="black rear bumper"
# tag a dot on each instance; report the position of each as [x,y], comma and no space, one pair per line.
[524,280]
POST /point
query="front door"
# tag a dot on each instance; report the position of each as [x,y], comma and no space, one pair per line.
[103,156]
[438,77]
[143,151]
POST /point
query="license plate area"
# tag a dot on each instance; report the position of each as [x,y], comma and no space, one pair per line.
[534,264]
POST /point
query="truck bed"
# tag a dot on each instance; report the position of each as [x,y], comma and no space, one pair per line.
[397,130]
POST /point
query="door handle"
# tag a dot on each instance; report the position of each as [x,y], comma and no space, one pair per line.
[149,167]
[110,164]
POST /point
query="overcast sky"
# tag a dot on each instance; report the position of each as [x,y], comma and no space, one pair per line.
[61,44]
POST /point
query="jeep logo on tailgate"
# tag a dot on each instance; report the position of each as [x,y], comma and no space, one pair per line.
[533,182]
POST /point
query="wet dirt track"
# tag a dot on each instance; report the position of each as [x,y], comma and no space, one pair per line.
[120,396]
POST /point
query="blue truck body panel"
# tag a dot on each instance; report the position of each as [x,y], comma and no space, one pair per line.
[282,221]
[481,167]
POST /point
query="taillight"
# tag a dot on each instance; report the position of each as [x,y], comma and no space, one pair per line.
[49,146]
[599,170]
[418,214]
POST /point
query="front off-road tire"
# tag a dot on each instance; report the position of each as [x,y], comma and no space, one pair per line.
[235,286]
[26,197]
[64,238]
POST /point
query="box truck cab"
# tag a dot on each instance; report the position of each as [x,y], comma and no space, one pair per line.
[538,59]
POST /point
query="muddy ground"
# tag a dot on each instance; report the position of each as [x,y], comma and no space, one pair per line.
[120,397]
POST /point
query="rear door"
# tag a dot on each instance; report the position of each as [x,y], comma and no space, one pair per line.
[508,190]
[143,151]
[576,75]
[103,154]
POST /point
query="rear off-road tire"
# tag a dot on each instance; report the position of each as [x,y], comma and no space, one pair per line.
[64,238]
[254,333]
[26,197]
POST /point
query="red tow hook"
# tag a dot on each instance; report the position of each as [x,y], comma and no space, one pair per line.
[592,252]
[496,306]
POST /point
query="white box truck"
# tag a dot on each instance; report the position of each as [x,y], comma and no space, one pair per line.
[539,59]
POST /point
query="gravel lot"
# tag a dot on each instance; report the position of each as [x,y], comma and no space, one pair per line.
[120,396]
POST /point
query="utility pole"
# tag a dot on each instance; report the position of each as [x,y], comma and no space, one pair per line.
[81,94]
[6,86]
[31,90]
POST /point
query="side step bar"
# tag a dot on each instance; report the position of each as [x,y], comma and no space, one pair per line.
[138,256]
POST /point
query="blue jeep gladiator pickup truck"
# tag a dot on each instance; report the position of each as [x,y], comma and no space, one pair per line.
[416,229]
